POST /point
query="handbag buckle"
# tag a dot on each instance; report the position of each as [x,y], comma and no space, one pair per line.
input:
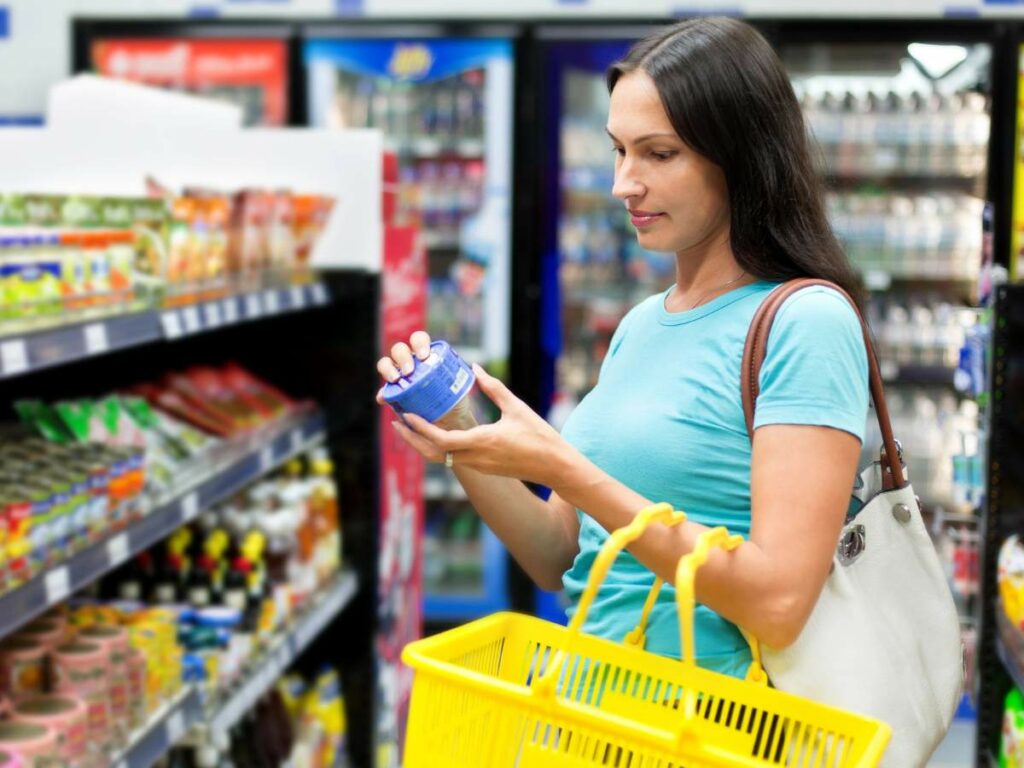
[851,544]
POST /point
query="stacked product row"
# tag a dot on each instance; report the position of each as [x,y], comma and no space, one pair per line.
[68,257]
[198,609]
[300,723]
[73,471]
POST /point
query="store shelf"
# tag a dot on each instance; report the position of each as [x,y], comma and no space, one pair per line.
[36,350]
[284,649]
[427,148]
[164,730]
[881,280]
[916,375]
[174,719]
[236,465]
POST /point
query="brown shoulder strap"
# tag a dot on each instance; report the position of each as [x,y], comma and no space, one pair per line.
[753,357]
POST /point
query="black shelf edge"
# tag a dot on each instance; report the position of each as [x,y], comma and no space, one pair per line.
[36,350]
[243,461]
[284,650]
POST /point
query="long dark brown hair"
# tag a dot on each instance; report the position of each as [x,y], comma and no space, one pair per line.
[728,97]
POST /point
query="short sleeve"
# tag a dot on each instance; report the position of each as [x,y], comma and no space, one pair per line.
[619,335]
[815,370]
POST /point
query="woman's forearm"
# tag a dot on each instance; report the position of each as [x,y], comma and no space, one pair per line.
[542,537]
[743,586]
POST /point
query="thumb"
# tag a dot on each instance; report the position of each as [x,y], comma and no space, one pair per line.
[494,388]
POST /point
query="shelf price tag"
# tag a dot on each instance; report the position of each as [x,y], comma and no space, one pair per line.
[172,325]
[319,293]
[230,311]
[117,549]
[189,506]
[298,297]
[13,357]
[271,302]
[191,317]
[96,341]
[212,311]
[266,458]
[58,584]
[175,726]
[253,305]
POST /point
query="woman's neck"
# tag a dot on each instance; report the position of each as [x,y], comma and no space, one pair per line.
[704,272]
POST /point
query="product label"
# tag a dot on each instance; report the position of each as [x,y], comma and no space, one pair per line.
[20,677]
[71,741]
[235,598]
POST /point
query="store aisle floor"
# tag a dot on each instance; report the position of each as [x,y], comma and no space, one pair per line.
[957,750]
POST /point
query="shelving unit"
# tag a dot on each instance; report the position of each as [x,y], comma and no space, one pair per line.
[35,350]
[172,721]
[240,464]
[999,666]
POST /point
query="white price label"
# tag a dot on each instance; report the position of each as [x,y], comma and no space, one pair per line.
[297,440]
[271,302]
[230,311]
[96,341]
[171,324]
[189,506]
[117,549]
[319,293]
[266,458]
[175,726]
[253,305]
[58,585]
[212,311]
[889,369]
[191,317]
[298,297]
[13,356]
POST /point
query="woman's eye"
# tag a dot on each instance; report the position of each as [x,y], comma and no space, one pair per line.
[662,155]
[618,151]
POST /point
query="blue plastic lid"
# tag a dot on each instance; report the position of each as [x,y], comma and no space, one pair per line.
[435,385]
[193,670]
[218,617]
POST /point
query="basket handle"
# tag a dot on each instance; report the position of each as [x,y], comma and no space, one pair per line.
[686,575]
[616,542]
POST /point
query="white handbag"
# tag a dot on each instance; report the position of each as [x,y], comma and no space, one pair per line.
[884,637]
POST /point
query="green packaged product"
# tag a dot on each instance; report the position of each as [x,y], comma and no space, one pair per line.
[1011,752]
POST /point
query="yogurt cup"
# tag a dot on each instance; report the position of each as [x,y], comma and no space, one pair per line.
[64,715]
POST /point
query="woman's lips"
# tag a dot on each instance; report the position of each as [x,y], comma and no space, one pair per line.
[643,218]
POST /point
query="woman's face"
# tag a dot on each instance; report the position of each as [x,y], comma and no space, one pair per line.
[677,198]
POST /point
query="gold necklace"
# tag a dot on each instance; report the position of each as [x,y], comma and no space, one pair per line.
[717,288]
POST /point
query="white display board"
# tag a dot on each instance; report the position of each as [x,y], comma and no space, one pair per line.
[87,148]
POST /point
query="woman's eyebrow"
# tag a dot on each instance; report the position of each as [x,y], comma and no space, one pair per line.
[645,137]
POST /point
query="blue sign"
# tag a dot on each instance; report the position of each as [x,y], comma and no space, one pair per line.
[413,60]
[5,21]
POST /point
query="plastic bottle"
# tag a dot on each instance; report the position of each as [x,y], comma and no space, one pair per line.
[1011,750]
[323,506]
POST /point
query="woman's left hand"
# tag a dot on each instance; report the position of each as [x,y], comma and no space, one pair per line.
[520,444]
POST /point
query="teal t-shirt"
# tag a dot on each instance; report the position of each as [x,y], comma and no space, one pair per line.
[666,419]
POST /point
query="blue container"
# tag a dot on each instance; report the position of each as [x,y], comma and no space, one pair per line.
[434,387]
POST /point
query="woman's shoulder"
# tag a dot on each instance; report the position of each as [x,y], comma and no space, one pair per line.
[817,312]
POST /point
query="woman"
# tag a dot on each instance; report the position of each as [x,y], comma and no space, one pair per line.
[712,161]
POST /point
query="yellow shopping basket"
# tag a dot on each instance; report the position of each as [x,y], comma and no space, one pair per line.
[513,690]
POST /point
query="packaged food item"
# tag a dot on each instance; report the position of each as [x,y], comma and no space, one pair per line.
[65,716]
[435,386]
[113,643]
[81,670]
[36,744]
[22,667]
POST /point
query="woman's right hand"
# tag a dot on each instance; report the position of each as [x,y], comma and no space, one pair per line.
[400,363]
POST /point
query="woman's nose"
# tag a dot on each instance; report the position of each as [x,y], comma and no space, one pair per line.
[626,185]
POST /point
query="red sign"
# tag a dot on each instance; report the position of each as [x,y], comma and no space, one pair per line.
[250,73]
[400,573]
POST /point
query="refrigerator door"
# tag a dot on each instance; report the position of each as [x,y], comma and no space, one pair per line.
[252,74]
[593,270]
[445,108]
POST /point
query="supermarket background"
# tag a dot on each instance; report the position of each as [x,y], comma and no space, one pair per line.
[201,286]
